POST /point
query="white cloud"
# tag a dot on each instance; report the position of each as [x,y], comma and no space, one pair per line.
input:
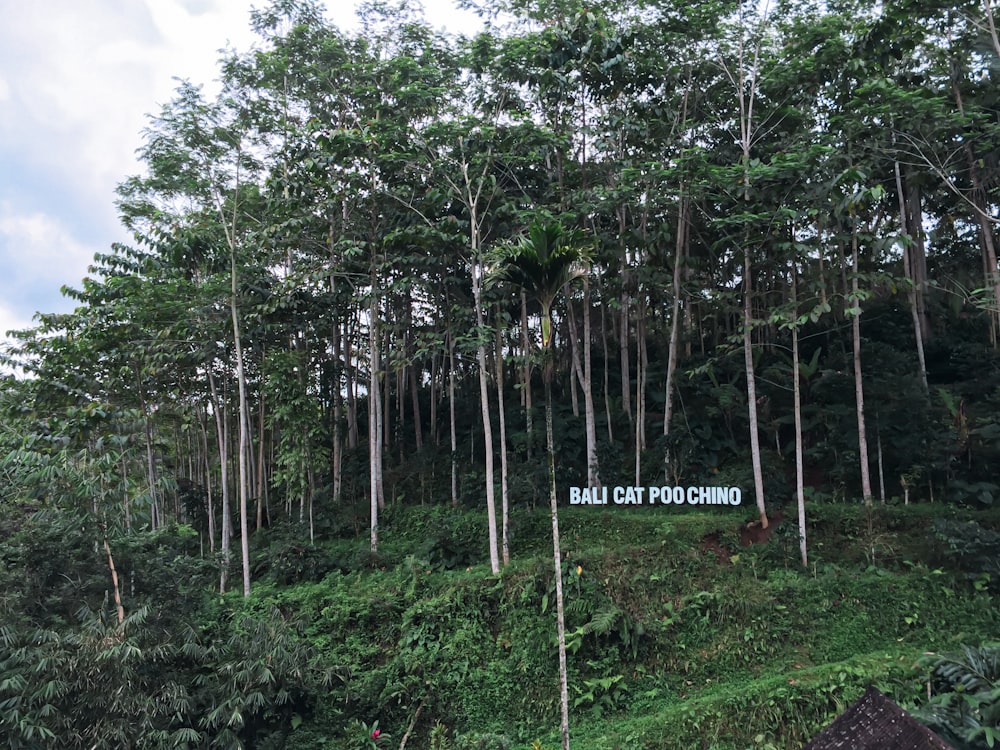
[77,80]
[11,320]
[82,76]
[40,255]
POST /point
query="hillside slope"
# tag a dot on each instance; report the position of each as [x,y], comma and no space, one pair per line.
[679,636]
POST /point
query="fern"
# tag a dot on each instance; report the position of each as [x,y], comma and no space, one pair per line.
[604,620]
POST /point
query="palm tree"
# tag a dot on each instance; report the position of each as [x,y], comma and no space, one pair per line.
[543,263]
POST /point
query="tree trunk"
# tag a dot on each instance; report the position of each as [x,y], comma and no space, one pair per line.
[758,473]
[859,394]
[222,435]
[590,419]
[913,202]
[386,403]
[375,496]
[402,379]
[607,374]
[881,462]
[433,406]
[526,375]
[800,491]
[209,505]
[244,426]
[675,324]
[820,265]
[502,416]
[574,375]
[337,459]
[556,558]
[116,589]
[154,501]
[351,375]
[642,367]
[484,402]
[418,435]
[624,348]
[259,493]
[919,323]
[640,380]
[311,490]
[451,414]
[745,82]
[337,448]
[583,374]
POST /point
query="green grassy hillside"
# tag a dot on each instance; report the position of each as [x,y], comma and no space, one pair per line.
[679,636]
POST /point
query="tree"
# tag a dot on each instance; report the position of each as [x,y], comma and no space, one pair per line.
[475,189]
[544,262]
[222,157]
[744,72]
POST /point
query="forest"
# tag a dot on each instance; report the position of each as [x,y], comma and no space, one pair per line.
[296,463]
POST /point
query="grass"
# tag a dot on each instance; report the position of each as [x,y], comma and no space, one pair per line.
[672,645]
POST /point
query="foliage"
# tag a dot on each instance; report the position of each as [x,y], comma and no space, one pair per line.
[965,707]
[177,669]
[287,345]
[972,548]
[362,736]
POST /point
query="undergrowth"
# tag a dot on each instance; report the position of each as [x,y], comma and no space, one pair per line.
[673,642]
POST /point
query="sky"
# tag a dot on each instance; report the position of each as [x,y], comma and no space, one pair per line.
[77,81]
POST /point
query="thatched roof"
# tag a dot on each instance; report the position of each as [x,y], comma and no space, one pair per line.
[876,723]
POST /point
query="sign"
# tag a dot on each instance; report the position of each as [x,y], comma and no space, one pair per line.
[655,496]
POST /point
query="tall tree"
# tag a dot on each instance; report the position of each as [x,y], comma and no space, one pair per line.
[743,69]
[544,262]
